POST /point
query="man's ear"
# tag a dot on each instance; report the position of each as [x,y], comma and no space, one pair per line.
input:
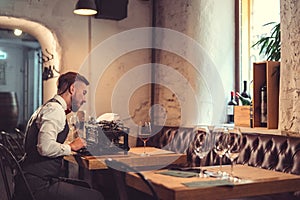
[72,89]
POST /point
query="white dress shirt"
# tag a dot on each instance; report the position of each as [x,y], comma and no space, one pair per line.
[51,120]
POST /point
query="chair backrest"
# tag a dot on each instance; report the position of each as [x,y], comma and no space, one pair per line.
[9,167]
[20,135]
[119,170]
[13,144]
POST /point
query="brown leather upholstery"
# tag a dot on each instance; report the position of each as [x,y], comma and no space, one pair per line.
[176,139]
[273,152]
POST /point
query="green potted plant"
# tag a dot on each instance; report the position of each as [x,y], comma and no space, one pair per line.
[270,45]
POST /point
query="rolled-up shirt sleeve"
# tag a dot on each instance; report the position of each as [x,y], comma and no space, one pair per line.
[51,122]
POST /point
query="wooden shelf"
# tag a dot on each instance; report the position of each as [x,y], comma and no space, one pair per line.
[261,130]
[263,73]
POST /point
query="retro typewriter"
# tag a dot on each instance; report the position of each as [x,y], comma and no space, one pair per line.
[106,138]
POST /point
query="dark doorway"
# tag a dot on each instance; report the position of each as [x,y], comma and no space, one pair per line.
[21,71]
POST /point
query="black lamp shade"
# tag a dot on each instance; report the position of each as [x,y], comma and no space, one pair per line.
[111,9]
[85,7]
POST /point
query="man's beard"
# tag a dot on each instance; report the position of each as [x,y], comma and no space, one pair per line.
[74,105]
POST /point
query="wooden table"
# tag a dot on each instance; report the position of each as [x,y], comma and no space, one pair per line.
[158,158]
[255,181]
[93,169]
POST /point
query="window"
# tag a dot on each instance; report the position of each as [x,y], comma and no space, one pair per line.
[254,14]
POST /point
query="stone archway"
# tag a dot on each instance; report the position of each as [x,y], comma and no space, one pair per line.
[47,40]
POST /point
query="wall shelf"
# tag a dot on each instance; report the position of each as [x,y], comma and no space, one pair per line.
[265,73]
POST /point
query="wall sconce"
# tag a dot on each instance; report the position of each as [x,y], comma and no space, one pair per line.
[48,70]
[48,73]
[85,7]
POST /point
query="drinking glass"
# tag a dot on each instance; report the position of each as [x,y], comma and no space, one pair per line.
[74,125]
[144,133]
[234,144]
[220,134]
[202,143]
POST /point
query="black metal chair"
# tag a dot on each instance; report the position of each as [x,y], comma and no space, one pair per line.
[10,166]
[20,135]
[119,171]
[12,144]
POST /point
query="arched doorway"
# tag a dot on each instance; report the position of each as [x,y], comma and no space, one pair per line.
[49,48]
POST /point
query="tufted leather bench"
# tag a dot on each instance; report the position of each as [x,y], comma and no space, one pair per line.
[176,139]
[272,152]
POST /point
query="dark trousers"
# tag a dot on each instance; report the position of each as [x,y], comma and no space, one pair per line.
[55,189]
[67,191]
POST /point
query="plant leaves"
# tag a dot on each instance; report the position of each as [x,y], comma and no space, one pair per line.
[270,46]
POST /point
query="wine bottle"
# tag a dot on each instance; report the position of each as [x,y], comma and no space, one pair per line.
[245,101]
[263,106]
[230,108]
[245,92]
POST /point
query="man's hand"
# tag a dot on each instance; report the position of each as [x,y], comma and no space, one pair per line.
[77,144]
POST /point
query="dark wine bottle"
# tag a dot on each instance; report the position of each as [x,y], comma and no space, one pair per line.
[245,92]
[263,106]
[230,108]
[246,101]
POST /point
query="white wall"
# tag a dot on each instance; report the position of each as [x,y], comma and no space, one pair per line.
[208,23]
[289,110]
[204,56]
[71,32]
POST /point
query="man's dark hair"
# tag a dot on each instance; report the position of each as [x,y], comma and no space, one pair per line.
[66,80]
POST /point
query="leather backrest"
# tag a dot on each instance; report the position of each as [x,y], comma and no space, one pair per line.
[175,139]
[273,152]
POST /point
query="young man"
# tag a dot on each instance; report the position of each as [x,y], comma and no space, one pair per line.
[45,135]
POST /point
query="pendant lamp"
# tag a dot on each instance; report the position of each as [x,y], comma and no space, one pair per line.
[85,7]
